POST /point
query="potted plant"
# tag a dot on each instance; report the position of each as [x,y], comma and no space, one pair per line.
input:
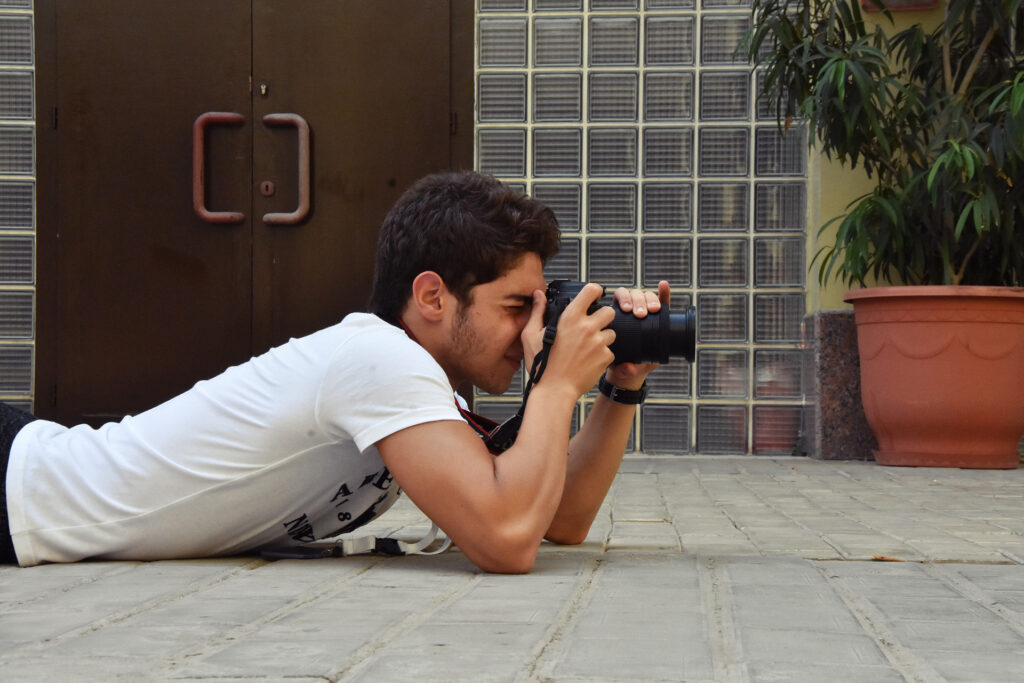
[935,116]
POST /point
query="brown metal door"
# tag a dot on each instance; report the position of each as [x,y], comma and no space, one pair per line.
[139,298]
[372,80]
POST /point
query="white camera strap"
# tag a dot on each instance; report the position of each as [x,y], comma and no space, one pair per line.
[433,543]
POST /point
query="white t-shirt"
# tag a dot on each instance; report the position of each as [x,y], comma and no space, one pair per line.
[277,449]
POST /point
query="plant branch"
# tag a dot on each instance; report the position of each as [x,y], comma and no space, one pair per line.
[976,62]
[947,66]
[958,276]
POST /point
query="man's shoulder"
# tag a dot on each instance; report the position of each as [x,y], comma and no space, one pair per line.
[370,346]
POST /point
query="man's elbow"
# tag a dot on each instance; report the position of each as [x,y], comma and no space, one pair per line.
[568,532]
[506,560]
[505,551]
[575,538]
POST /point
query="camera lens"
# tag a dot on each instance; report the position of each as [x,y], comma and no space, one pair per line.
[656,338]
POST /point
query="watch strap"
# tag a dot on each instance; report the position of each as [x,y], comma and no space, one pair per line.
[630,397]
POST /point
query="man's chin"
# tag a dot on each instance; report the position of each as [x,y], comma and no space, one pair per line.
[495,388]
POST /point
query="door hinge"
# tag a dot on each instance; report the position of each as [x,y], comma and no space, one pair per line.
[453,123]
[53,118]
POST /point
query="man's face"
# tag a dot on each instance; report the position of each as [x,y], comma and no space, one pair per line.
[486,345]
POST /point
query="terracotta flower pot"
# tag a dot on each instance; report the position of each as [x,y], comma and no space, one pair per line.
[942,374]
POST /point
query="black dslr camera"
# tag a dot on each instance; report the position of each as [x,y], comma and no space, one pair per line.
[653,339]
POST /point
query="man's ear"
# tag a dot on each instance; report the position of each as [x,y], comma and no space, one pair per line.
[429,295]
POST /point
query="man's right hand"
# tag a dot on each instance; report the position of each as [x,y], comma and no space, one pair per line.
[580,354]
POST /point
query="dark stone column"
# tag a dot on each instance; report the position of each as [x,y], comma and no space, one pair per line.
[834,424]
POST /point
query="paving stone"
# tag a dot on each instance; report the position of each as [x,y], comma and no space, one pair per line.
[696,569]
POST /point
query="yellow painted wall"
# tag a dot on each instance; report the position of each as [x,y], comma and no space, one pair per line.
[832,187]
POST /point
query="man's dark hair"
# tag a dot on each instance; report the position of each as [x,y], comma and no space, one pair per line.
[467,227]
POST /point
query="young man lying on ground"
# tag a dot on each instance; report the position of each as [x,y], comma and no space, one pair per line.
[316,437]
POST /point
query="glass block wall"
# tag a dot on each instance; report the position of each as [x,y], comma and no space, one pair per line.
[636,121]
[17,203]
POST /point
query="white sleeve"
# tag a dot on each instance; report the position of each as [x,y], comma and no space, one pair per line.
[380,383]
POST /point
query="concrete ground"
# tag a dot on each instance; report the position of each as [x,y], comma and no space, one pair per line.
[698,569]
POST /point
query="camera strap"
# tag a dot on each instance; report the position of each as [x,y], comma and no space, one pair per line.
[504,435]
[362,545]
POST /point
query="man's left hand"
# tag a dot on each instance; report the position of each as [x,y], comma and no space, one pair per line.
[640,303]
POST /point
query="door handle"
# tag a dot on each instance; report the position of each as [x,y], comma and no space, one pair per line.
[199,166]
[303,129]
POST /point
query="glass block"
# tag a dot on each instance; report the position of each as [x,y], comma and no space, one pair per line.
[611,261]
[722,373]
[776,429]
[16,39]
[630,440]
[765,110]
[668,152]
[613,96]
[722,318]
[502,152]
[17,260]
[557,5]
[598,5]
[16,4]
[722,430]
[502,5]
[16,95]
[558,42]
[722,37]
[557,152]
[777,374]
[670,40]
[502,42]
[680,303]
[777,154]
[16,369]
[664,428]
[16,204]
[16,314]
[558,97]
[723,207]
[670,381]
[498,411]
[670,4]
[668,96]
[566,264]
[724,96]
[613,152]
[501,97]
[564,199]
[668,207]
[778,318]
[779,262]
[17,152]
[722,262]
[614,41]
[712,4]
[611,207]
[780,207]
[724,152]
[666,258]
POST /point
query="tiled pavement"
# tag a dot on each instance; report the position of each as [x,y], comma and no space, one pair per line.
[698,569]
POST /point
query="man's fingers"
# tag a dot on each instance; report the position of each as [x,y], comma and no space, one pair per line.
[641,302]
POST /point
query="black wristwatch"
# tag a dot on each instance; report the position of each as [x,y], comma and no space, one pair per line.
[629,397]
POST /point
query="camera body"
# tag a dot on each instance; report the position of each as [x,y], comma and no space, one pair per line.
[654,339]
